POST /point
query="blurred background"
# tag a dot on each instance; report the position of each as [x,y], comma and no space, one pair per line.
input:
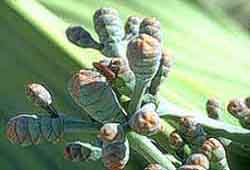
[239,10]
[209,40]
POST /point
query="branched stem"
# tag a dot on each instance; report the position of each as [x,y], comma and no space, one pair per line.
[143,146]
[72,125]
[136,99]
[163,138]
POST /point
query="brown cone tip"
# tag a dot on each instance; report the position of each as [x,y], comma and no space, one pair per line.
[210,145]
[186,121]
[212,108]
[175,139]
[235,107]
[152,21]
[148,121]
[213,143]
[107,134]
[30,89]
[83,77]
[33,89]
[144,46]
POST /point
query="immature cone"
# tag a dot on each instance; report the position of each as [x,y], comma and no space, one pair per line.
[154,167]
[132,26]
[115,155]
[38,94]
[30,129]
[176,140]
[81,37]
[41,97]
[109,28]
[192,132]
[213,108]
[241,111]
[152,27]
[112,132]
[216,154]
[237,108]
[78,151]
[213,149]
[91,90]
[198,159]
[145,121]
[144,54]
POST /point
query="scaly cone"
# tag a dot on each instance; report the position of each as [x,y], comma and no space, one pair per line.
[132,27]
[144,54]
[78,151]
[41,97]
[89,89]
[109,28]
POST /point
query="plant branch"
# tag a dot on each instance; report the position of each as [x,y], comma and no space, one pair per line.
[146,148]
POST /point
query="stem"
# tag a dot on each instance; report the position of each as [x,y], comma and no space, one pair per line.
[143,146]
[73,125]
[156,81]
[136,99]
[163,139]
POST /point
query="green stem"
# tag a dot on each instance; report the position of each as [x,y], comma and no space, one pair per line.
[136,99]
[144,146]
[156,81]
[73,125]
[163,136]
